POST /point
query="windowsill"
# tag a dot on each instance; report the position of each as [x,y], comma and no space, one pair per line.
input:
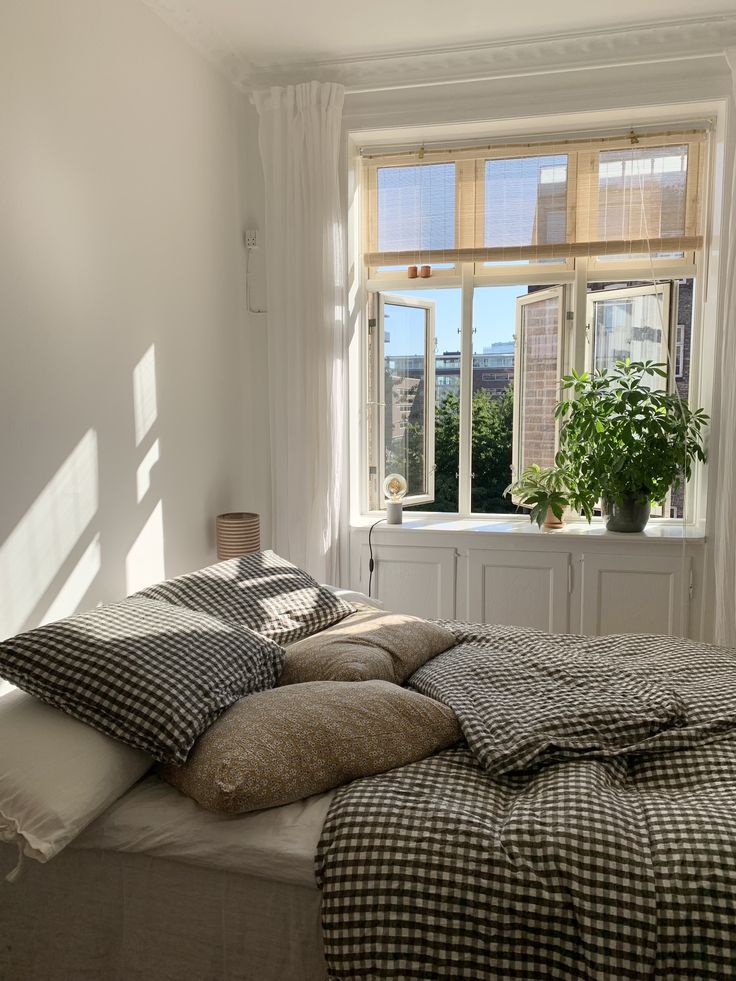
[658,530]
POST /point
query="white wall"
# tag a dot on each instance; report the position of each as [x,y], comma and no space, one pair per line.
[256,452]
[121,316]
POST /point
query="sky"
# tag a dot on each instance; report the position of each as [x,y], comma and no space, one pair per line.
[494,319]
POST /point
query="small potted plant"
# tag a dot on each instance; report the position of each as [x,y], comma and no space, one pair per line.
[545,491]
[623,445]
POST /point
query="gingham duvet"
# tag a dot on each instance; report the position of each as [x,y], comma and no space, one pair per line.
[586,828]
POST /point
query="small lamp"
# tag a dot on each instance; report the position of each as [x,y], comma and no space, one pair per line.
[394,488]
[238,533]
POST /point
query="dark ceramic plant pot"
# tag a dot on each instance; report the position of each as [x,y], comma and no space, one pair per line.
[631,515]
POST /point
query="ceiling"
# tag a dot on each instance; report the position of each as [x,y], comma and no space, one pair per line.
[258,36]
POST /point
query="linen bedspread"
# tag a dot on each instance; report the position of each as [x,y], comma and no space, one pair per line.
[585,829]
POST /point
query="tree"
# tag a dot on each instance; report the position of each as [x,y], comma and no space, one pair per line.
[491,463]
[493,427]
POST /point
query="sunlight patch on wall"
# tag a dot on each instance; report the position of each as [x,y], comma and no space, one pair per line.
[143,473]
[145,406]
[38,546]
[144,563]
[77,583]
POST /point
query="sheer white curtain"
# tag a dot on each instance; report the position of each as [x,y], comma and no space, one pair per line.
[299,139]
[723,533]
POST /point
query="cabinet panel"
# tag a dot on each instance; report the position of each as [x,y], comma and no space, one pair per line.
[634,594]
[415,580]
[519,588]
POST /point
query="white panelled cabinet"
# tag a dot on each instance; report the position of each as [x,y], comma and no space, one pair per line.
[643,595]
[413,579]
[580,580]
[522,588]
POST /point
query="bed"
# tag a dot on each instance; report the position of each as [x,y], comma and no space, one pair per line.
[584,826]
[159,888]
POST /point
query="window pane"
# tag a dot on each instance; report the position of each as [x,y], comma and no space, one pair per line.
[637,326]
[683,344]
[447,387]
[525,201]
[416,207]
[404,381]
[540,381]
[494,320]
[641,192]
[628,327]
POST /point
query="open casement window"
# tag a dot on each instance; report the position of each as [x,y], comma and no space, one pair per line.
[629,323]
[406,394]
[537,371]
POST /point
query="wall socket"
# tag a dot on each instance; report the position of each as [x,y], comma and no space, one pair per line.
[251,238]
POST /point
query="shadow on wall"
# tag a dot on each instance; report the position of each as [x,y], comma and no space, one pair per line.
[53,556]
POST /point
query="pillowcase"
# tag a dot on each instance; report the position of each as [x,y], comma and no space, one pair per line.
[152,675]
[261,591]
[282,745]
[57,775]
[368,644]
[356,599]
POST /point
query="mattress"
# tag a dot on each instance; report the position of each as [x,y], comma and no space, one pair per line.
[159,888]
[154,819]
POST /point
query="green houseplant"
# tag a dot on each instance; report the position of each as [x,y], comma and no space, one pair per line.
[623,443]
[545,491]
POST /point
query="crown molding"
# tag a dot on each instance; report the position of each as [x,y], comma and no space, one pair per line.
[644,43]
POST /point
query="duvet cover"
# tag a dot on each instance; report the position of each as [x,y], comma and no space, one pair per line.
[585,827]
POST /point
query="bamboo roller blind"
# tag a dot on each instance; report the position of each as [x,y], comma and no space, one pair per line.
[616,196]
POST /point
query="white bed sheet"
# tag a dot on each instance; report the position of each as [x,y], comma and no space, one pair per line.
[155,819]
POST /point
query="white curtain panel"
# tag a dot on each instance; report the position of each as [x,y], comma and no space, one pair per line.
[724,528]
[299,139]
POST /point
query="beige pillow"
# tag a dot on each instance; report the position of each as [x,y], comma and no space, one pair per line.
[369,644]
[281,745]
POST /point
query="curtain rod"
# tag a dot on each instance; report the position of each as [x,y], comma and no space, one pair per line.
[435,147]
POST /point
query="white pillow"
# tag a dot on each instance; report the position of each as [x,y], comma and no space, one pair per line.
[56,775]
[352,596]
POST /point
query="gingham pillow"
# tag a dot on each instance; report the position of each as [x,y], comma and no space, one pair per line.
[261,591]
[152,675]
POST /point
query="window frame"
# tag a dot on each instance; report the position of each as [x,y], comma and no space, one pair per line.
[581,183]
[429,387]
[663,287]
[574,351]
[552,292]
[574,274]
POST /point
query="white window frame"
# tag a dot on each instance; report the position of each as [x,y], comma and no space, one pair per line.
[429,394]
[662,288]
[574,348]
[554,292]
[704,266]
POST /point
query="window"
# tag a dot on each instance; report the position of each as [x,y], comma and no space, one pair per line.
[406,336]
[543,259]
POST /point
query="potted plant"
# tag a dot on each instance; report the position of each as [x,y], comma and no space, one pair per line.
[544,490]
[623,445]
